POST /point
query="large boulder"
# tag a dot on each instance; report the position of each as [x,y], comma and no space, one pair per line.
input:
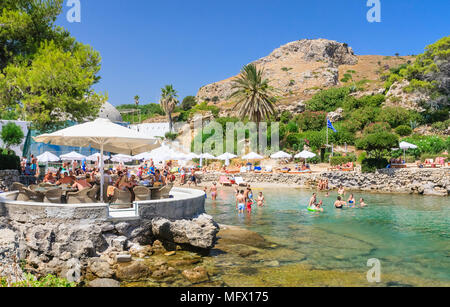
[199,232]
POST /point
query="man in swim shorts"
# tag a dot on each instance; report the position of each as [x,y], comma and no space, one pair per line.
[241,202]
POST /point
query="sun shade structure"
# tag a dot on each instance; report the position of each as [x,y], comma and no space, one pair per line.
[281,155]
[104,135]
[122,158]
[72,156]
[227,157]
[305,155]
[207,156]
[252,156]
[142,156]
[96,157]
[405,146]
[47,157]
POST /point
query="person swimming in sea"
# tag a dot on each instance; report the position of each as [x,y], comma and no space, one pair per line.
[362,204]
[351,201]
[339,204]
[313,201]
[341,191]
[319,206]
[214,191]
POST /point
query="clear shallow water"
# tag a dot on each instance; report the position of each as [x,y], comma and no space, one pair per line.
[408,234]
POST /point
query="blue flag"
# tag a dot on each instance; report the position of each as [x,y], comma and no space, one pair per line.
[330,126]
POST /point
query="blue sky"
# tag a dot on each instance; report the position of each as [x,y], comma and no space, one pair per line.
[146,44]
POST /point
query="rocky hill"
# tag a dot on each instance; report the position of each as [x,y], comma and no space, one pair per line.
[302,68]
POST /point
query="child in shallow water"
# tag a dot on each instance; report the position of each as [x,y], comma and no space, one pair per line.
[260,200]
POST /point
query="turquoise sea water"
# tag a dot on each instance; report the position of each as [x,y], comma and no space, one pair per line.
[408,234]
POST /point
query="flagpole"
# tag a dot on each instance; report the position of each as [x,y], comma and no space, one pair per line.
[327,130]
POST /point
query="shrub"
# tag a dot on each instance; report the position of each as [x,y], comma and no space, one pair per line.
[403,130]
[364,116]
[316,139]
[328,100]
[377,127]
[395,116]
[370,165]
[308,120]
[428,144]
[48,281]
[188,103]
[295,139]
[342,160]
[171,136]
[9,162]
[378,143]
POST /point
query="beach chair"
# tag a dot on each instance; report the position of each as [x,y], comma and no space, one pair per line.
[53,196]
[16,186]
[224,181]
[34,196]
[80,197]
[268,170]
[163,193]
[121,199]
[240,181]
[142,193]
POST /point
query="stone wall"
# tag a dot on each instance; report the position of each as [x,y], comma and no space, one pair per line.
[70,240]
[412,181]
[7,178]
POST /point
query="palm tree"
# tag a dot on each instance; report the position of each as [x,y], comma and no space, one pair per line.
[136,100]
[168,102]
[253,95]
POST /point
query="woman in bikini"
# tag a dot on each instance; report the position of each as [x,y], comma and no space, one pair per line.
[214,191]
[351,201]
[260,200]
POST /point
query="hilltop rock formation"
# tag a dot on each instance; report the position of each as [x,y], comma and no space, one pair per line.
[295,67]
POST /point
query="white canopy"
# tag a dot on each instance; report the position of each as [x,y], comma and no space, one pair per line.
[101,134]
[252,156]
[96,157]
[281,155]
[163,153]
[406,145]
[226,156]
[143,156]
[104,135]
[305,155]
[207,156]
[72,156]
[122,158]
[47,157]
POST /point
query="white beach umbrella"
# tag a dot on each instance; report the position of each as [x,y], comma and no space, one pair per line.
[281,155]
[305,155]
[122,158]
[143,156]
[206,156]
[96,157]
[252,156]
[72,156]
[405,146]
[227,157]
[47,157]
[104,135]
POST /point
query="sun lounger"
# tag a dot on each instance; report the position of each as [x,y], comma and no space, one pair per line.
[224,181]
[240,181]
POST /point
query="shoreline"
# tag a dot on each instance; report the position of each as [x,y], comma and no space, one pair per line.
[426,182]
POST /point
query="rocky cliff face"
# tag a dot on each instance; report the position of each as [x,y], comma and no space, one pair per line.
[294,68]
